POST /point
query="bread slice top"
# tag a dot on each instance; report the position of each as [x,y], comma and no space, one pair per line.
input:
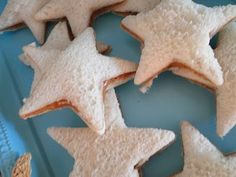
[18,12]
[226,94]
[78,12]
[135,6]
[119,152]
[202,158]
[176,33]
[78,78]
[57,41]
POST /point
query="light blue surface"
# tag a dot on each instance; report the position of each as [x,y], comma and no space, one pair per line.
[7,155]
[171,100]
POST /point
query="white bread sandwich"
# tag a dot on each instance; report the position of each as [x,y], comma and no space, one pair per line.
[57,41]
[18,13]
[202,158]
[80,13]
[176,34]
[78,79]
[120,152]
[226,93]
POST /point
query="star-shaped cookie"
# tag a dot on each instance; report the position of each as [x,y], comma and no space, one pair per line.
[19,12]
[120,152]
[57,41]
[176,33]
[78,78]
[226,94]
[79,13]
[202,158]
[135,6]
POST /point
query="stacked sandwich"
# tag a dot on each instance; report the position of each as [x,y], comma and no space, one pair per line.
[71,70]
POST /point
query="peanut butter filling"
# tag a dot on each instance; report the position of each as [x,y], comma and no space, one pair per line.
[66,103]
[175,64]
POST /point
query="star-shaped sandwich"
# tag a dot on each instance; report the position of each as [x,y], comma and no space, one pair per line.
[22,12]
[135,6]
[57,41]
[176,34]
[226,94]
[120,152]
[202,158]
[79,13]
[78,78]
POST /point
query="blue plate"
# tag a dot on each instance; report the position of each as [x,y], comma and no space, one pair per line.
[171,100]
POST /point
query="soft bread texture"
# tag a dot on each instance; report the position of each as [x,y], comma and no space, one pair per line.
[116,153]
[135,6]
[176,33]
[202,158]
[78,12]
[226,94]
[18,12]
[78,78]
[135,174]
[57,41]
[22,167]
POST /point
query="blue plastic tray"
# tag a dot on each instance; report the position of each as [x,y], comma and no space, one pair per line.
[171,100]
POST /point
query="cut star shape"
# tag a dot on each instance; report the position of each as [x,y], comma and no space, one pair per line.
[226,94]
[18,12]
[57,41]
[78,78]
[79,13]
[120,152]
[202,158]
[176,33]
[135,6]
